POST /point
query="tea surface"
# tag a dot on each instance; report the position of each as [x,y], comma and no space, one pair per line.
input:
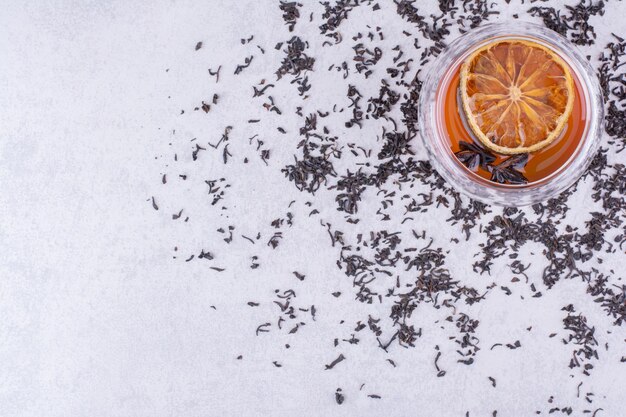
[541,163]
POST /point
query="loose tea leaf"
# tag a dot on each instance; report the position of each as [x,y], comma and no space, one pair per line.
[473,155]
[507,172]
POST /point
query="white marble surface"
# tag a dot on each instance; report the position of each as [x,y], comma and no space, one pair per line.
[98,319]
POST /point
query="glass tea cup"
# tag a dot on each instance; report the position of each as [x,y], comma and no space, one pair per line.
[437,102]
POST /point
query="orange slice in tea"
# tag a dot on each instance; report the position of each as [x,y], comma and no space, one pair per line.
[517,95]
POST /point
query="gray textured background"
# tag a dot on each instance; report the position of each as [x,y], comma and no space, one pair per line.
[98,319]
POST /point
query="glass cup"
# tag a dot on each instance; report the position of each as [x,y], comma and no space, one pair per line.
[437,143]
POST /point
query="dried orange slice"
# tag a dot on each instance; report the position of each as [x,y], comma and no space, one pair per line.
[517,95]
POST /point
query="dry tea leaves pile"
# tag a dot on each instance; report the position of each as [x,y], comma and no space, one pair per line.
[334,121]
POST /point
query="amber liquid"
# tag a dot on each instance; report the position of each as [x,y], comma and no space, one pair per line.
[541,163]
